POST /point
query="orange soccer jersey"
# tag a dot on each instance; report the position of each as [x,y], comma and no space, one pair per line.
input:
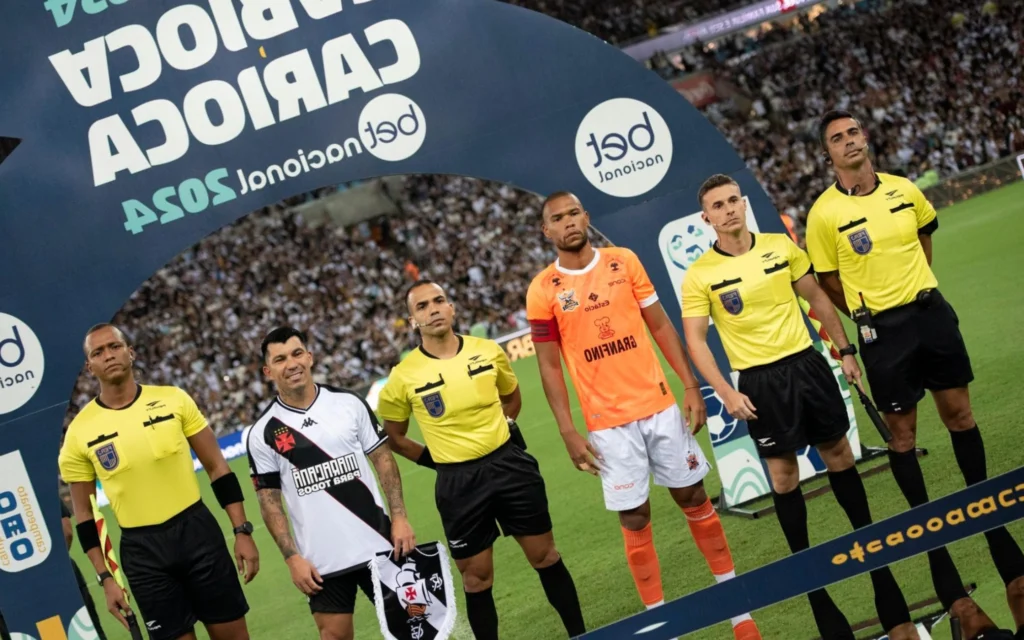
[595,315]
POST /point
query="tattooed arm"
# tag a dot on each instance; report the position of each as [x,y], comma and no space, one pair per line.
[304,575]
[387,472]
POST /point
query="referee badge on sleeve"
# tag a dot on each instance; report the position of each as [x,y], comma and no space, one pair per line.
[732,301]
[861,242]
[107,456]
[434,404]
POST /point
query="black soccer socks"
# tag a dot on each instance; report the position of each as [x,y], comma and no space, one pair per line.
[906,469]
[792,512]
[851,495]
[853,498]
[561,593]
[969,449]
[483,616]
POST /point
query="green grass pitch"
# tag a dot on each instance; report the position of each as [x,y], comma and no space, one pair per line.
[978,262]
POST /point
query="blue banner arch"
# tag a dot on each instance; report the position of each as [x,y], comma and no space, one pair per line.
[147,125]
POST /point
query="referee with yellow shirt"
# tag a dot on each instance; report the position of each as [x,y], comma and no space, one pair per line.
[869,238]
[465,397]
[786,390]
[135,439]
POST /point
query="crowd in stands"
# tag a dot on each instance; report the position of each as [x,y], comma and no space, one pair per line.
[938,83]
[622,21]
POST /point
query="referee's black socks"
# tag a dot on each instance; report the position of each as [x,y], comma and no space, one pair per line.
[853,498]
[906,469]
[482,614]
[969,449]
[561,593]
[792,512]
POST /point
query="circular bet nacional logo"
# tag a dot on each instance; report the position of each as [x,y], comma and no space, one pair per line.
[21,363]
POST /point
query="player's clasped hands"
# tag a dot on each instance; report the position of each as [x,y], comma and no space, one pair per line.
[403,537]
[739,406]
[304,575]
[583,454]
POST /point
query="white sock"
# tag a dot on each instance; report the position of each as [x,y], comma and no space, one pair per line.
[738,619]
[725,576]
[656,604]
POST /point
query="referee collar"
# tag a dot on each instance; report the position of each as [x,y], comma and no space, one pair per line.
[720,251]
[138,393]
[289,407]
[846,192]
[433,357]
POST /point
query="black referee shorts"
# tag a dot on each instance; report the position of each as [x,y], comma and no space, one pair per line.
[919,347]
[798,403]
[181,571]
[339,591]
[503,488]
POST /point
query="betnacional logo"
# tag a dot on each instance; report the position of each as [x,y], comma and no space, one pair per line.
[624,147]
[21,363]
[24,538]
[392,127]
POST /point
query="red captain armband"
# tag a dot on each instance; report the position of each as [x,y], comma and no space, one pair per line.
[544,330]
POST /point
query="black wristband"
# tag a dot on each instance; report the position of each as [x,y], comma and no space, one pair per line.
[848,350]
[426,460]
[227,489]
[88,536]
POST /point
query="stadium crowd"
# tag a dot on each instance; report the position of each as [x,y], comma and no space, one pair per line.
[938,81]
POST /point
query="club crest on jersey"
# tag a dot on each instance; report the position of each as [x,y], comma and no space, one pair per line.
[107,456]
[732,302]
[434,404]
[861,242]
[284,441]
[568,300]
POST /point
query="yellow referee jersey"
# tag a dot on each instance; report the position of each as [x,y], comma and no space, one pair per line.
[455,401]
[872,241]
[751,299]
[139,453]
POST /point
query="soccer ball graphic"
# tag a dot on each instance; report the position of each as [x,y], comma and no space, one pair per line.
[720,424]
[81,627]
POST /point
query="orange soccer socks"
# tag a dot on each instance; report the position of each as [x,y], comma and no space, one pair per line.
[643,564]
[710,538]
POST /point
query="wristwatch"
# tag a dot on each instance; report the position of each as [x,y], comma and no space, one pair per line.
[245,527]
[848,350]
[102,577]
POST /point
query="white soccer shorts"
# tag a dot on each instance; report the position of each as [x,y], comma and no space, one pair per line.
[660,444]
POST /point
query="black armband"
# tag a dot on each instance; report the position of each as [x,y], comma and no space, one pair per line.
[426,460]
[929,228]
[227,489]
[88,536]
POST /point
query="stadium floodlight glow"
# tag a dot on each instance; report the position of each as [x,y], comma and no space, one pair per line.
[144,128]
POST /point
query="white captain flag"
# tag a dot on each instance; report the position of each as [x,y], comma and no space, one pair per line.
[414,596]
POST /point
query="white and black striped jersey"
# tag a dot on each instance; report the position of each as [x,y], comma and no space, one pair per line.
[317,458]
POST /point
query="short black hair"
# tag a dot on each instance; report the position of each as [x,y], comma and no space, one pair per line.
[103,325]
[715,181]
[281,335]
[829,118]
[555,196]
[422,282]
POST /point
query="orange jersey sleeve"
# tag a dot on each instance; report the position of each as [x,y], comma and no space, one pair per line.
[539,313]
[643,288]
[595,314]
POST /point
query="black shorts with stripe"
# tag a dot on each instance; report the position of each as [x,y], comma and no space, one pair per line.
[798,403]
[503,488]
[919,347]
[181,572]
